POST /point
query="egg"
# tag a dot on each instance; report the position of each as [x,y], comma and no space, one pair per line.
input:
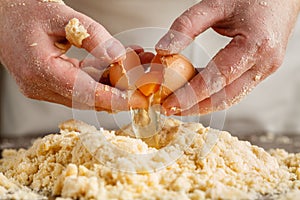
[124,74]
[149,83]
[166,75]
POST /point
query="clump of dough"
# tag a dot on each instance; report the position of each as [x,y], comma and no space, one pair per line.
[10,189]
[75,32]
[61,165]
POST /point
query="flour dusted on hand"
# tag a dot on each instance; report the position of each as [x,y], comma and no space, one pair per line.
[60,165]
[53,1]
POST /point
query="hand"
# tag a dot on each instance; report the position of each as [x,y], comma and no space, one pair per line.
[30,31]
[259,32]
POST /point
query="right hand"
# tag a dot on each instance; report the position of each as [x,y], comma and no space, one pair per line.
[259,30]
[29,30]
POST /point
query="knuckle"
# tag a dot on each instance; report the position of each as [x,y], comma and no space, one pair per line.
[272,54]
[98,35]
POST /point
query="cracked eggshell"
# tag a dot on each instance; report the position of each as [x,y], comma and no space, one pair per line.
[167,74]
[177,72]
[124,73]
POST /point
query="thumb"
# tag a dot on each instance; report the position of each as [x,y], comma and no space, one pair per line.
[190,24]
[99,43]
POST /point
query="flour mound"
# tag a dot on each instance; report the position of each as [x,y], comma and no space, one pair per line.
[61,165]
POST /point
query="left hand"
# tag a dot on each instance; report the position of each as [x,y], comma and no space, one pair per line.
[29,33]
[259,32]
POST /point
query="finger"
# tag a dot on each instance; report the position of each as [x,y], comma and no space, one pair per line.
[97,63]
[101,64]
[98,73]
[74,61]
[115,100]
[228,96]
[145,58]
[100,43]
[190,24]
[76,85]
[44,94]
[229,64]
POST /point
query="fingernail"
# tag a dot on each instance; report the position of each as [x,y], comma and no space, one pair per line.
[163,45]
[173,42]
[114,49]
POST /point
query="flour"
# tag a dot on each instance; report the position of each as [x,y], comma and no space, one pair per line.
[61,165]
[9,189]
[53,1]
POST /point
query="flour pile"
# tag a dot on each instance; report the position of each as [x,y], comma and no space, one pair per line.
[60,165]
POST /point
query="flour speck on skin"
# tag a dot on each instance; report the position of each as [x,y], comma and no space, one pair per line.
[53,1]
[61,165]
[33,44]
